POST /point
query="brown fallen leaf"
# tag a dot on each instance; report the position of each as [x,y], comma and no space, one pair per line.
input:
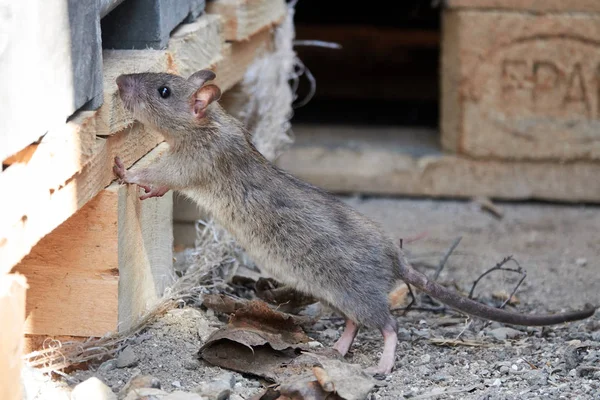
[323,379]
[222,303]
[286,298]
[349,380]
[260,341]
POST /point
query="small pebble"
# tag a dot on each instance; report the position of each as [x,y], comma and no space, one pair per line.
[127,358]
[314,344]
[581,262]
[514,367]
[425,358]
[405,336]
[504,369]
[92,389]
[504,333]
[176,384]
[497,383]
[191,364]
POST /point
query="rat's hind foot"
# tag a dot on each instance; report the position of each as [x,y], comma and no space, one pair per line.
[345,341]
[153,191]
[388,356]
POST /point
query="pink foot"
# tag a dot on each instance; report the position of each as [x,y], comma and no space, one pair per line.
[345,341]
[153,191]
[386,362]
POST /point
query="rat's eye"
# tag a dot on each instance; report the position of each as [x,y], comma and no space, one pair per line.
[164,92]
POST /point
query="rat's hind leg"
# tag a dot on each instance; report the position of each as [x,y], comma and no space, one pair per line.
[345,341]
[388,356]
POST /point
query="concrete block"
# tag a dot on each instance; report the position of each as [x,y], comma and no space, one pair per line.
[140,24]
[523,86]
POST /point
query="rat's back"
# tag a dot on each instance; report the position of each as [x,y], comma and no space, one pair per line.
[308,239]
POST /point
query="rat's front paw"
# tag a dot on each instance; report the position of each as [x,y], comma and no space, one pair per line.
[120,171]
[154,192]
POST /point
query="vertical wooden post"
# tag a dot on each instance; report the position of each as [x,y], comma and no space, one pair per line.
[12,315]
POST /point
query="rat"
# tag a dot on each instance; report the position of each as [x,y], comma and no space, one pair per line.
[301,235]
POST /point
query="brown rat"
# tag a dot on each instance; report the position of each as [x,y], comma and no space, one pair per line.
[301,235]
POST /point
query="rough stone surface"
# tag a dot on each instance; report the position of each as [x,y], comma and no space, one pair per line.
[518,85]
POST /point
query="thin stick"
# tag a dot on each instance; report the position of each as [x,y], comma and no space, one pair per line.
[497,267]
[445,258]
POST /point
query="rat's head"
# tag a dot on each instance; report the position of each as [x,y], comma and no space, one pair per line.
[168,102]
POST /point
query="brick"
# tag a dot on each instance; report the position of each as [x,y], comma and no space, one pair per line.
[529,5]
[521,85]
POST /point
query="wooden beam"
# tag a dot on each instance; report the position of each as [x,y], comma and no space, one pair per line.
[33,210]
[12,315]
[244,18]
[104,266]
[528,5]
[145,248]
[405,162]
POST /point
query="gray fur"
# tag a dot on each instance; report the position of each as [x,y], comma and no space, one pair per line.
[303,236]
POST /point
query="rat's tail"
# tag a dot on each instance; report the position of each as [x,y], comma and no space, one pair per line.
[474,308]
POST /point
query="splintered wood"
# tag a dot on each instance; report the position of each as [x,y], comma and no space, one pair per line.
[244,18]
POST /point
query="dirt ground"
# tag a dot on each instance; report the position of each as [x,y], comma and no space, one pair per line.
[558,246]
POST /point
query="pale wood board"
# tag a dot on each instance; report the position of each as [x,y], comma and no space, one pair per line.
[145,247]
[237,56]
[73,274]
[36,69]
[103,267]
[528,5]
[32,210]
[385,168]
[244,18]
[12,315]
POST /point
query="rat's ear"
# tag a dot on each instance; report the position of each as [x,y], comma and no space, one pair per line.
[203,97]
[198,78]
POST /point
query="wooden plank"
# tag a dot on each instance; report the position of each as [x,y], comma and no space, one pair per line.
[244,18]
[32,210]
[528,5]
[73,274]
[104,266]
[521,86]
[39,56]
[12,315]
[395,165]
[237,56]
[145,248]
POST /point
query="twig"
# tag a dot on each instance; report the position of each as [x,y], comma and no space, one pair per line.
[412,297]
[467,325]
[499,267]
[445,258]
